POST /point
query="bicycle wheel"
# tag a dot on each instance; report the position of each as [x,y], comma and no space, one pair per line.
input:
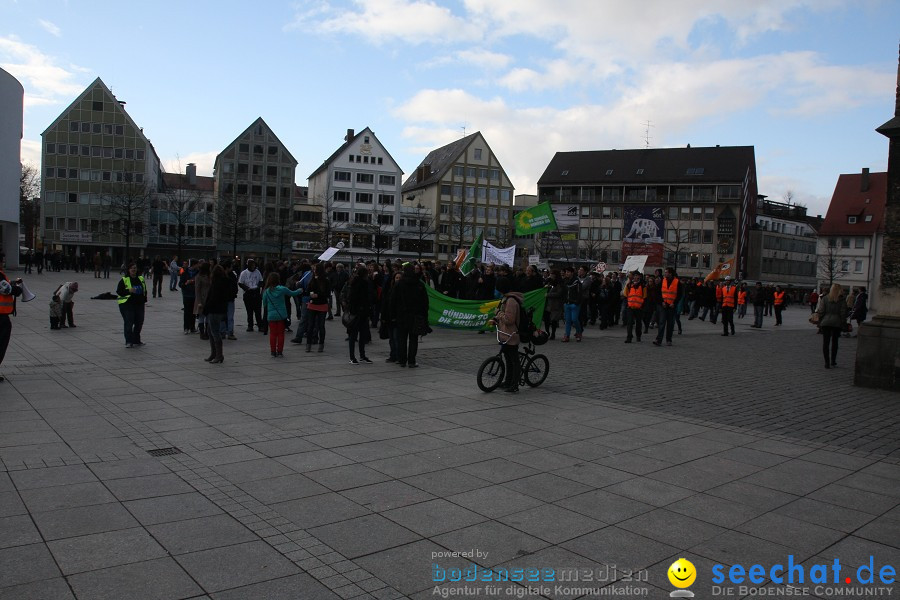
[536,370]
[491,373]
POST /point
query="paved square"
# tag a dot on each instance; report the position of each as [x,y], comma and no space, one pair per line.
[308,478]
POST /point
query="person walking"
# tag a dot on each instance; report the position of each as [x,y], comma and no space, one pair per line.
[759,305]
[319,292]
[157,268]
[409,312]
[174,267]
[214,308]
[571,303]
[356,317]
[832,313]
[634,294]
[507,322]
[860,308]
[276,311]
[250,281]
[670,295]
[742,301]
[132,296]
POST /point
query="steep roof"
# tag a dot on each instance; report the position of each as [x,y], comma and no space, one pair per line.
[344,146]
[244,132]
[440,160]
[849,200]
[179,181]
[651,165]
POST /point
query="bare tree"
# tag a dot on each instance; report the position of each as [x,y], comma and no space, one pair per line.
[281,232]
[593,249]
[831,265]
[329,226]
[182,208]
[29,205]
[677,244]
[381,230]
[424,228]
[125,206]
[234,219]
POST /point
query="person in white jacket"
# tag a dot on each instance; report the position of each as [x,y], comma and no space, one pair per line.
[67,297]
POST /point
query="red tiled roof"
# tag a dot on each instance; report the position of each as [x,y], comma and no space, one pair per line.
[179,181]
[849,200]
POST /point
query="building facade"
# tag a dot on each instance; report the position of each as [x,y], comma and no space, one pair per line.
[783,246]
[688,207]
[182,216]
[851,238]
[358,188]
[254,188]
[12,96]
[464,184]
[99,174]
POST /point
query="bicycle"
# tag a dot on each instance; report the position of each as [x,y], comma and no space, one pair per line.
[533,371]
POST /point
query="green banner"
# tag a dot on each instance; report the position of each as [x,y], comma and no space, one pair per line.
[535,220]
[451,313]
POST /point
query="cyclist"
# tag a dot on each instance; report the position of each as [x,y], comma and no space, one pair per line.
[507,322]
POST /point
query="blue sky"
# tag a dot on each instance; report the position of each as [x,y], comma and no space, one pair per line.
[804,81]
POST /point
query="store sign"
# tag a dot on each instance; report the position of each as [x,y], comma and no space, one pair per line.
[76,236]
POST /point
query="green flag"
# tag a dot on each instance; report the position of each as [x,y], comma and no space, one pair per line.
[473,256]
[535,219]
[451,313]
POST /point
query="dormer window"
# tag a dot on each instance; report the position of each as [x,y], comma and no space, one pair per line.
[565,173]
[695,171]
[609,171]
[868,218]
[851,220]
[639,172]
[366,140]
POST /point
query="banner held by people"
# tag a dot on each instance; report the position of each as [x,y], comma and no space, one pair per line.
[451,313]
[492,255]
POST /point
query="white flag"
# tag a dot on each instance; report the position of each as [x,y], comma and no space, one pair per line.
[492,255]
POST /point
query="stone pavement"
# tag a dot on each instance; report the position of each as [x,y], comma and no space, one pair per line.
[308,478]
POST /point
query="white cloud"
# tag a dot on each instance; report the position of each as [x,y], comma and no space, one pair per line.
[484,58]
[45,81]
[50,27]
[205,162]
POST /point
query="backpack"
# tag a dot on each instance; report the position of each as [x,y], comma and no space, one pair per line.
[526,322]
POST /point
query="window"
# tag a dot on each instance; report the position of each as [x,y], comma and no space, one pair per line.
[257,149]
[695,171]
[242,189]
[362,217]
[639,172]
[471,172]
[129,155]
[386,199]
[366,159]
[271,171]
[444,229]
[845,265]
[118,152]
[342,176]
[96,128]
[97,105]
[857,266]
[86,150]
[851,220]
[860,243]
[386,219]
[74,126]
[707,236]
[49,172]
[107,129]
[845,242]
[139,154]
[445,209]
[271,192]
[256,190]
[120,130]
[341,196]
[363,198]
[51,148]
[609,171]
[495,174]
[477,153]
[340,216]
[390,180]
[365,178]
[273,150]
[351,158]
[243,147]
[445,189]
[380,160]
[459,171]
[868,218]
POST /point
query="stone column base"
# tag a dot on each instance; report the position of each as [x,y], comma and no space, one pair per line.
[878,354]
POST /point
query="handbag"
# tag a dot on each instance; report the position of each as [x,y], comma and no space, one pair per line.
[347,319]
[814,319]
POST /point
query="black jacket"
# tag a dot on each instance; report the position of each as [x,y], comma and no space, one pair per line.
[408,301]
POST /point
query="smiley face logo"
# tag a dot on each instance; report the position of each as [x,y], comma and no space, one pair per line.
[682,573]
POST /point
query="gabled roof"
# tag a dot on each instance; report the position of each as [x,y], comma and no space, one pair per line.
[179,181]
[243,133]
[850,201]
[651,165]
[116,104]
[440,161]
[346,145]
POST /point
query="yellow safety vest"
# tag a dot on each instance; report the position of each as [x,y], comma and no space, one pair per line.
[127,280]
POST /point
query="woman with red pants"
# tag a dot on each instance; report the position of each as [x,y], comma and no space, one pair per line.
[276,311]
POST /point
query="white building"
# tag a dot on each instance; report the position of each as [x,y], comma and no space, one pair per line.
[12,96]
[852,237]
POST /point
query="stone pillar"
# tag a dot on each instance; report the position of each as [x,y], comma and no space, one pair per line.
[878,352]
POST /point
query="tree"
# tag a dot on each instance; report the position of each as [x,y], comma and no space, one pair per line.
[183,206]
[593,249]
[678,242]
[831,265]
[125,206]
[234,219]
[280,232]
[381,230]
[329,226]
[423,228]
[29,205]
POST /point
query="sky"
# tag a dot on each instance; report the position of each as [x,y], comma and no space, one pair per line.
[805,82]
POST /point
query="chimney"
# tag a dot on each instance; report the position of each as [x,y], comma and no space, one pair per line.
[864,181]
[350,134]
[191,172]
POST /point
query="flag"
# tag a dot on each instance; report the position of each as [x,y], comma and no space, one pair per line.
[460,257]
[725,268]
[451,313]
[535,219]
[472,257]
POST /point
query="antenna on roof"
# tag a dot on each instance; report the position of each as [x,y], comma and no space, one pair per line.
[647,125]
[463,127]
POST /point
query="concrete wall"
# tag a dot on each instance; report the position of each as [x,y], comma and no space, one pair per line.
[12,96]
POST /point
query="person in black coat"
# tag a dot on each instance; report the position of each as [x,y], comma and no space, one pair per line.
[409,312]
[215,308]
[359,305]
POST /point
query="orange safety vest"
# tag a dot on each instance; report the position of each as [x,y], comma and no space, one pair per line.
[742,298]
[635,296]
[728,297]
[7,301]
[779,298]
[669,292]
[718,292]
